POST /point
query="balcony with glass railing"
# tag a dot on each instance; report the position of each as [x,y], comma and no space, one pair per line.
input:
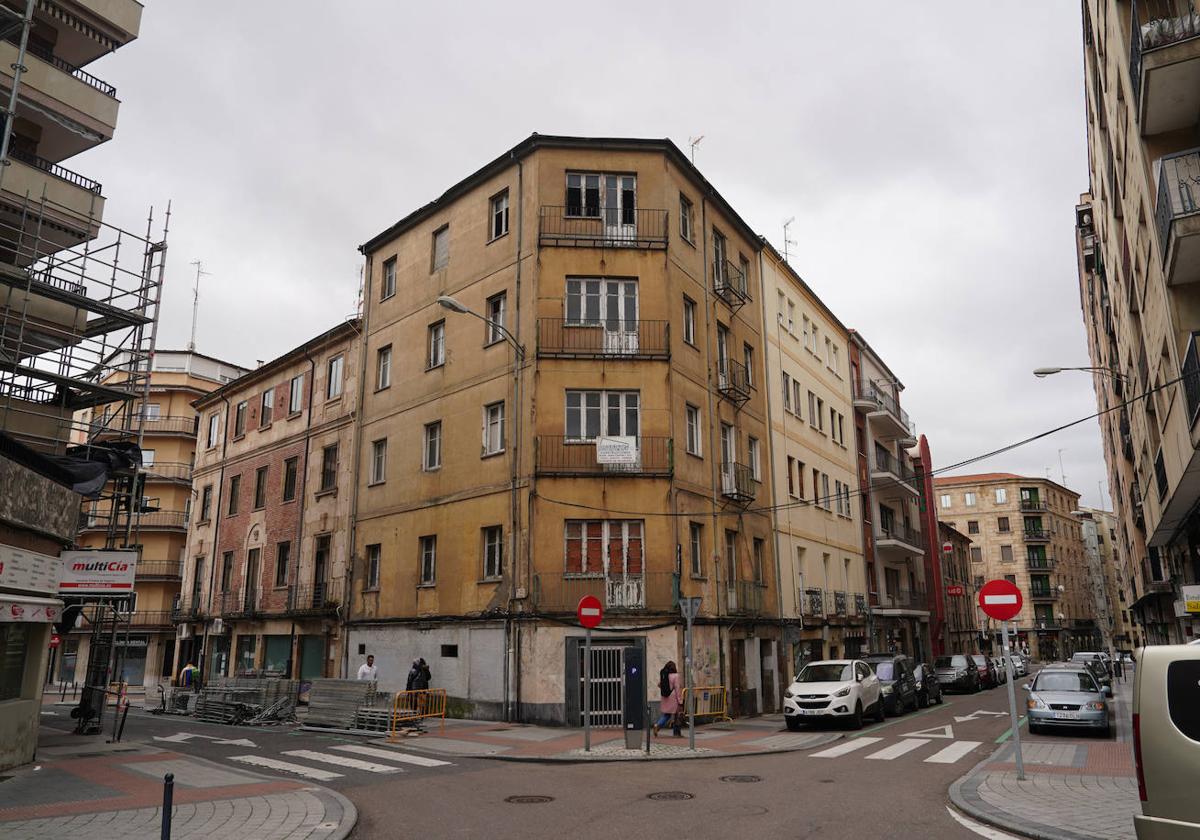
[1177,214]
[1164,64]
[896,536]
[891,475]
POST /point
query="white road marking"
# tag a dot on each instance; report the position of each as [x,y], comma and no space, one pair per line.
[975,715]
[846,747]
[979,828]
[391,755]
[181,737]
[898,749]
[287,766]
[238,742]
[343,761]
[953,752]
[931,732]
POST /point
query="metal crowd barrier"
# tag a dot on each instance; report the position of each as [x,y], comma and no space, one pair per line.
[408,706]
[707,701]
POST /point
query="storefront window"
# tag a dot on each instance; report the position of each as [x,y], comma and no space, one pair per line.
[277,650]
[14,650]
[245,654]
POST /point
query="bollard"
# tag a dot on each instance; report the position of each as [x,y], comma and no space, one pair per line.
[649,711]
[168,795]
[124,714]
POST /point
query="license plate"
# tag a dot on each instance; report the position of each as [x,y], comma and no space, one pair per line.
[1066,715]
[811,711]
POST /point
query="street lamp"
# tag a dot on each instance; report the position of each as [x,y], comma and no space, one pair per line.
[1043,372]
[447,302]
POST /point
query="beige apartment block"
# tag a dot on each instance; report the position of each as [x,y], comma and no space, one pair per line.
[158,531]
[583,416]
[265,578]
[1022,529]
[818,533]
[1116,568]
[963,616]
[1138,235]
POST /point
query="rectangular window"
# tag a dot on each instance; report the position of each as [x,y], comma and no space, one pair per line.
[694,434]
[800,480]
[260,488]
[807,328]
[436,353]
[493,428]
[791,318]
[205,503]
[1001,495]
[494,328]
[383,368]
[388,286]
[820,415]
[151,411]
[493,552]
[583,194]
[239,419]
[731,569]
[689,321]
[695,534]
[791,465]
[972,526]
[333,377]
[787,393]
[1006,554]
[752,455]
[796,403]
[686,222]
[835,364]
[945,500]
[758,548]
[837,496]
[1002,524]
[226,571]
[296,394]
[378,461]
[289,478]
[266,407]
[214,429]
[235,490]
[428,561]
[595,547]
[812,409]
[329,464]
[969,499]
[147,458]
[440,256]
[825,491]
[591,414]
[283,554]
[432,457]
[721,273]
[976,554]
[373,552]
[498,213]
[748,361]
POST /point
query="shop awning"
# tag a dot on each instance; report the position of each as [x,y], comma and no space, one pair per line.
[27,608]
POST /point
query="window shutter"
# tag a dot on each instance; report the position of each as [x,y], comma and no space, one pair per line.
[616,550]
[633,560]
[574,563]
[595,542]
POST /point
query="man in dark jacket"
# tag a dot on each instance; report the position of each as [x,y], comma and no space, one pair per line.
[413,673]
[423,677]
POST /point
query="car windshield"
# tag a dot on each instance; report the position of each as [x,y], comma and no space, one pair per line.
[951,662]
[980,660]
[884,670]
[826,672]
[1065,681]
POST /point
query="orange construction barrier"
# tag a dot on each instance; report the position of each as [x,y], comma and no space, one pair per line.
[708,701]
[411,706]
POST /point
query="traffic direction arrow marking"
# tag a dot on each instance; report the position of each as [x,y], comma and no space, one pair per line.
[932,732]
[184,737]
[976,715]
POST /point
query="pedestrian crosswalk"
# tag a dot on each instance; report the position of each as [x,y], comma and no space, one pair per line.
[948,754]
[314,764]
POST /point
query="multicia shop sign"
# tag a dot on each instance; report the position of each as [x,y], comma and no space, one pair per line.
[97,572]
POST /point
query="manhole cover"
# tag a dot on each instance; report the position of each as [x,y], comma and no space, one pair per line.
[826,781]
[528,800]
[670,796]
[741,778]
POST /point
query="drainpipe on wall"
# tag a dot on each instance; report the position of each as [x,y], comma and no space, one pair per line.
[512,663]
[216,515]
[312,378]
[348,599]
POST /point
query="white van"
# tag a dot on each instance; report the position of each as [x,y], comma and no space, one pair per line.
[1166,741]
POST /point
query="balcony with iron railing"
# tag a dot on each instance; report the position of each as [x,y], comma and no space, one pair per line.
[896,536]
[319,598]
[1191,379]
[602,227]
[558,338]
[158,424]
[812,603]
[839,603]
[239,604]
[606,457]
[745,597]
[1033,505]
[644,591]
[860,605]
[729,284]
[169,471]
[882,409]
[904,599]
[889,473]
[159,520]
[1037,535]
[738,483]
[45,53]
[1177,212]
[1164,64]
[733,381]
[1040,564]
[164,569]
[1043,593]
[152,618]
[57,170]
[184,609]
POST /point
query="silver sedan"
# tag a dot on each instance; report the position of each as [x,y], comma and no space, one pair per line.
[1067,697]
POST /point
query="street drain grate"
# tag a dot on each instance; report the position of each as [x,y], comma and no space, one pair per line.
[670,796]
[743,779]
[528,800]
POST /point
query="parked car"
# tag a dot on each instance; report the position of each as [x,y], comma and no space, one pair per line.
[1020,664]
[841,689]
[929,688]
[987,671]
[957,673]
[1093,656]
[896,679]
[1166,741]
[1068,695]
[1000,669]
[1097,668]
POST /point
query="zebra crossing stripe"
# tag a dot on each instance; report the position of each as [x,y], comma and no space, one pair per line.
[898,749]
[343,761]
[846,747]
[391,755]
[953,752]
[286,766]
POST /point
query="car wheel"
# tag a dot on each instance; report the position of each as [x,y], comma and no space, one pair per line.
[939,697]
[793,724]
[856,721]
[922,700]
[880,716]
[1034,729]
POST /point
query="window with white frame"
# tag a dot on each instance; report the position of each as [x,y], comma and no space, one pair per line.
[969,499]
[787,392]
[431,458]
[820,415]
[436,350]
[147,457]
[151,411]
[296,394]
[493,428]
[689,320]
[807,329]
[583,194]
[791,318]
[1001,495]
[596,301]
[333,378]
[603,546]
[814,339]
[378,461]
[752,455]
[748,361]
[266,408]
[837,496]
[428,549]
[825,491]
[239,419]
[493,552]
[694,431]
[687,225]
[796,402]
[387,288]
[498,213]
[373,553]
[383,368]
[695,540]
[836,365]
[592,414]
[440,256]
[214,430]
[812,408]
[494,328]
[944,500]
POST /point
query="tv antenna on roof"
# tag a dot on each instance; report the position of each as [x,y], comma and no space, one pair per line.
[200,272]
[694,142]
[786,241]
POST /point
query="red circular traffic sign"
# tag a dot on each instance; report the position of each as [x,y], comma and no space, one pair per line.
[1000,599]
[55,641]
[590,611]
[947,548]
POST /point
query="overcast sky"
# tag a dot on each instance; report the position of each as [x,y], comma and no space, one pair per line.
[931,154]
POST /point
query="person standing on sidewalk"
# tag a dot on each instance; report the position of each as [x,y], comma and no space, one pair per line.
[671,705]
[368,671]
[1118,667]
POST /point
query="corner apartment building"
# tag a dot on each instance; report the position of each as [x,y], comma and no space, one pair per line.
[961,633]
[813,463]
[1138,233]
[1115,568]
[1022,529]
[269,535]
[583,415]
[158,528]
[893,538]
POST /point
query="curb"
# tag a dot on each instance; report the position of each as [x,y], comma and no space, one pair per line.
[561,759]
[349,812]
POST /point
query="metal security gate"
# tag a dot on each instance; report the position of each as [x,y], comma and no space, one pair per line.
[608,685]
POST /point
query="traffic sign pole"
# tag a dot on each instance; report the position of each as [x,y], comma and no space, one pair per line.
[1012,702]
[587,691]
[689,607]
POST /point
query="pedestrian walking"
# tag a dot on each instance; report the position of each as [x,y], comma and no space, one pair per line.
[423,677]
[1118,668]
[189,677]
[670,707]
[368,671]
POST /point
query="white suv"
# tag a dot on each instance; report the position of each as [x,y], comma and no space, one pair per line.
[836,688]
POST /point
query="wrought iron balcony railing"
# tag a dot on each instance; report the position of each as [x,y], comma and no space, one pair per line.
[1037,535]
[1155,24]
[745,597]
[729,283]
[614,457]
[649,591]
[58,171]
[1033,505]
[602,227]
[315,598]
[733,381]
[563,339]
[738,483]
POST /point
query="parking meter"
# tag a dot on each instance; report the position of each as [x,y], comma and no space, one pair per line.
[635,696]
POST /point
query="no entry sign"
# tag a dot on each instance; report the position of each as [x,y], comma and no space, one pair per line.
[590,611]
[1000,599]
[55,641]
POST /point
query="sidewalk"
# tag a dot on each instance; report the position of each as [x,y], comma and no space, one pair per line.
[1075,788]
[521,742]
[114,792]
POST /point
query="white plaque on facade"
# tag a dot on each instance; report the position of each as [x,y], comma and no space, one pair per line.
[97,572]
[616,450]
[28,570]
[1191,599]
